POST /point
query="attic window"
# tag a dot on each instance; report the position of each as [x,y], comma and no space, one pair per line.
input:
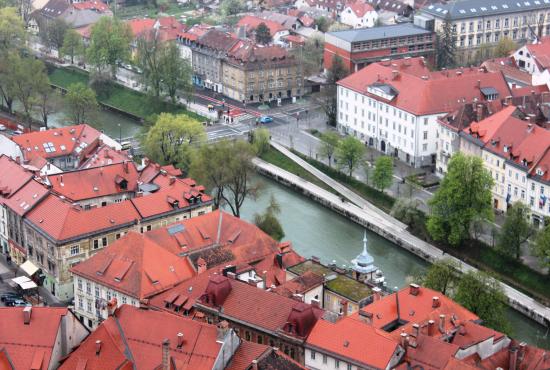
[540,172]
[48,147]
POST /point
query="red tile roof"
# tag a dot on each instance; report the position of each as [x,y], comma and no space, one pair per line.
[360,7]
[58,142]
[508,68]
[300,284]
[95,182]
[104,156]
[12,176]
[360,343]
[26,344]
[96,5]
[540,51]
[132,339]
[27,197]
[62,221]
[136,266]
[422,92]
[251,23]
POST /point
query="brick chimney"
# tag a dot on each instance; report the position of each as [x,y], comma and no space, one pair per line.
[404,340]
[97,347]
[165,354]
[180,339]
[521,351]
[376,294]
[221,330]
[479,112]
[414,289]
[442,324]
[345,305]
[201,265]
[435,302]
[172,180]
[513,351]
[431,327]
[254,364]
[27,312]
[415,330]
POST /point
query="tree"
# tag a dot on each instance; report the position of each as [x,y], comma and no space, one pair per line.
[483,295]
[29,77]
[515,231]
[541,246]
[382,177]
[504,47]
[226,167]
[328,97]
[329,143]
[109,44]
[48,101]
[322,24]
[260,140]
[268,221]
[464,196]
[310,55]
[12,31]
[81,103]
[176,73]
[349,152]
[446,44]
[73,46]
[52,33]
[148,58]
[8,65]
[406,211]
[443,276]
[172,137]
[263,34]
[232,7]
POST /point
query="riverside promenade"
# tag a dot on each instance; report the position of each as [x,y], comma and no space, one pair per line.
[376,220]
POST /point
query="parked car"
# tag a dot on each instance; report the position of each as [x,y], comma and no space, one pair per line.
[20,303]
[17,132]
[8,295]
[266,119]
[10,302]
[2,127]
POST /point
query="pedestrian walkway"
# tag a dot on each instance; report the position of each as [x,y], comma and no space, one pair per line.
[383,226]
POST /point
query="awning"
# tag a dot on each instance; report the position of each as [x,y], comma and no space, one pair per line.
[29,268]
[24,282]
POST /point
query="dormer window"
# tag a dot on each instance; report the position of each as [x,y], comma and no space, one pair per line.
[489,93]
[382,90]
[539,172]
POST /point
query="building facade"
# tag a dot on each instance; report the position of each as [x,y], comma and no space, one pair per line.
[359,14]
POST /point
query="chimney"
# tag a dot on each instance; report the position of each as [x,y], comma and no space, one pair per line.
[345,305]
[376,294]
[415,330]
[394,74]
[221,330]
[125,166]
[413,289]
[172,180]
[404,340]
[521,351]
[442,324]
[97,347]
[165,354]
[513,358]
[27,312]
[431,326]
[435,302]
[479,112]
[478,84]
[254,364]
[180,340]
[315,303]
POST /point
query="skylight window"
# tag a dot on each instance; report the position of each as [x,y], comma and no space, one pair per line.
[462,11]
[505,6]
[63,147]
[519,5]
[49,147]
[537,2]
[527,3]
[473,10]
[483,9]
[494,7]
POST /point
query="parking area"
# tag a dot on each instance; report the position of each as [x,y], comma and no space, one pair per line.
[11,293]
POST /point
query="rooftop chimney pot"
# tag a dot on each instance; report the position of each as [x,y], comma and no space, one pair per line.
[97,347]
[413,289]
[442,323]
[431,326]
[166,354]
[435,302]
[27,312]
[180,340]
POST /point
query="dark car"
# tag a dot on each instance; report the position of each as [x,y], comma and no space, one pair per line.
[10,301]
[10,295]
[20,303]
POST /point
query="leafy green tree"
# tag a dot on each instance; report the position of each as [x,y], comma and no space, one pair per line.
[109,44]
[52,33]
[81,103]
[176,73]
[48,101]
[29,77]
[322,24]
[349,152]
[406,210]
[226,168]
[483,295]
[329,144]
[232,7]
[263,34]
[464,196]
[446,44]
[12,31]
[148,59]
[268,221]
[73,46]
[8,65]
[171,139]
[504,47]
[310,56]
[328,97]
[382,176]
[260,140]
[515,231]
[443,276]
[541,246]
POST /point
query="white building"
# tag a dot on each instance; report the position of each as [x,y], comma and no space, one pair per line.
[393,106]
[359,14]
[535,60]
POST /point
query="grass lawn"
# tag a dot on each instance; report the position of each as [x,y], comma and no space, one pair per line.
[119,97]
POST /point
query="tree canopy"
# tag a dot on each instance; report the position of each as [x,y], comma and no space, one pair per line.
[52,33]
[73,46]
[12,31]
[515,230]
[463,197]
[260,140]
[81,103]
[109,44]
[329,144]
[541,247]
[268,221]
[232,7]
[328,96]
[504,47]
[446,44]
[382,176]
[349,152]
[263,34]
[172,138]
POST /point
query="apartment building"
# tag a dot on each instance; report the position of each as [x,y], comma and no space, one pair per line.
[359,14]
[255,73]
[516,154]
[393,106]
[483,23]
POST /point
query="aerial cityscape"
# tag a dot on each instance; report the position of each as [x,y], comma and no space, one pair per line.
[274,184]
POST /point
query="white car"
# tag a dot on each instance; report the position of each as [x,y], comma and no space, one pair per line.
[2,127]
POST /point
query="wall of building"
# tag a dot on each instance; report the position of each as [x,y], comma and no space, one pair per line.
[324,361]
[349,17]
[69,335]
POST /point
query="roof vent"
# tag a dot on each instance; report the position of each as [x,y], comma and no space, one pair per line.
[180,340]
[97,347]
[27,312]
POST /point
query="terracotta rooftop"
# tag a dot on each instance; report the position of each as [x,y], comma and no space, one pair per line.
[540,51]
[300,284]
[29,346]
[420,91]
[26,197]
[252,22]
[12,176]
[132,339]
[96,5]
[105,156]
[360,7]
[136,266]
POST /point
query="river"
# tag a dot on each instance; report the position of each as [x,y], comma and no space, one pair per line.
[318,231]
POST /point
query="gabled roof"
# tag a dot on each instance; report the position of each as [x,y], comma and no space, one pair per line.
[349,339]
[483,8]
[540,51]
[12,176]
[104,156]
[96,5]
[132,339]
[24,345]
[300,284]
[360,8]
[57,142]
[382,32]
[27,197]
[217,40]
[136,266]
[54,8]
[251,23]
[422,92]
[95,182]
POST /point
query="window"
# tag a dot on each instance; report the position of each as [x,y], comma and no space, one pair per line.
[109,295]
[337,364]
[75,249]
[79,284]
[325,359]
[124,300]
[80,303]
[424,147]
[247,335]
[425,121]
[89,306]
[96,243]
[312,354]
[88,288]
[349,366]
[104,241]
[97,291]
[425,135]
